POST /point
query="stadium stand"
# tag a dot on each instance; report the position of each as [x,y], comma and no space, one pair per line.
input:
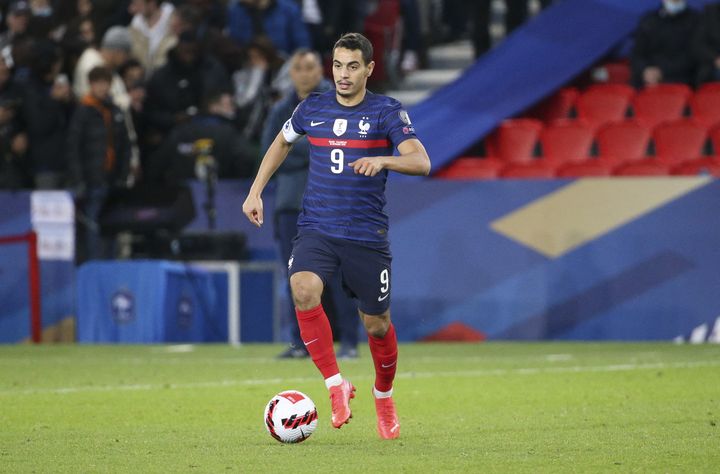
[514,140]
[679,141]
[660,103]
[566,142]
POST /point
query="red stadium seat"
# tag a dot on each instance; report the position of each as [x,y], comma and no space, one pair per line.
[661,103]
[537,169]
[514,140]
[617,72]
[566,142]
[590,168]
[679,141]
[383,29]
[715,139]
[598,107]
[641,168]
[557,106]
[472,168]
[709,166]
[705,106]
[623,141]
[623,90]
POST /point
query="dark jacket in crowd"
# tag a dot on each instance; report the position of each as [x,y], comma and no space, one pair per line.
[282,22]
[98,147]
[291,177]
[665,41]
[706,44]
[45,120]
[177,89]
[191,142]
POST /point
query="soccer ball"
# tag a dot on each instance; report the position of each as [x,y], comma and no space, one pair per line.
[290,417]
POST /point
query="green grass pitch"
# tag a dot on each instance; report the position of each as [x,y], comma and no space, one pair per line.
[492,407]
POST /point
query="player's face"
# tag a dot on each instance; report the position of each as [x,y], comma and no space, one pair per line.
[350,72]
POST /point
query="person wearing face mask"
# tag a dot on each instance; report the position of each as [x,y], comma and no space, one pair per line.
[209,138]
[663,41]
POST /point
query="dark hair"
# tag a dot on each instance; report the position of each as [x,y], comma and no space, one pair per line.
[99,73]
[213,97]
[355,42]
[300,52]
[129,64]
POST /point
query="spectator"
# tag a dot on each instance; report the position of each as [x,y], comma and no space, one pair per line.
[98,151]
[706,44]
[151,33]
[47,104]
[517,12]
[254,90]
[14,169]
[306,74]
[79,36]
[133,76]
[18,19]
[279,20]
[663,45]
[209,141]
[175,91]
[114,51]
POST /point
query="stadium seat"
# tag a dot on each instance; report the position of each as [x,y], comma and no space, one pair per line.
[709,166]
[383,29]
[472,168]
[715,139]
[641,168]
[537,169]
[590,168]
[679,141]
[514,140]
[623,90]
[705,106]
[598,107]
[617,72]
[622,141]
[566,142]
[660,103]
[557,106]
[709,86]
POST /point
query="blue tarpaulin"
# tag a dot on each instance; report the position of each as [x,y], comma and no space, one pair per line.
[534,61]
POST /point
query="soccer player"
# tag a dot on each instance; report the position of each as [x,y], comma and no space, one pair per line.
[343,226]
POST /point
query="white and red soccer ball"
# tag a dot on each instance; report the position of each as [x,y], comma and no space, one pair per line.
[291,417]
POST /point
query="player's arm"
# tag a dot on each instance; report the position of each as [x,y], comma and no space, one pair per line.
[413,160]
[274,157]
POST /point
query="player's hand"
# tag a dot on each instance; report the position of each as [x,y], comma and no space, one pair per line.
[369,166]
[253,209]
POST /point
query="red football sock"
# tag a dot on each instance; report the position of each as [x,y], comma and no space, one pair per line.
[384,352]
[317,335]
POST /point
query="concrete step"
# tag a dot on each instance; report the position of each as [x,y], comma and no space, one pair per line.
[457,55]
[408,98]
[430,78]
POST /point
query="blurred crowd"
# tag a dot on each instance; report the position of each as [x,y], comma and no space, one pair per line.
[97,93]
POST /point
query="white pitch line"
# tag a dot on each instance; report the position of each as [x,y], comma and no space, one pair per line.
[402,375]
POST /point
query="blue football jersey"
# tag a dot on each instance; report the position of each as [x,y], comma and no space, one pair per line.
[338,202]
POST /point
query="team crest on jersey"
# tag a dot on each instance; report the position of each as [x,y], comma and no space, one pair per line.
[340,127]
[364,127]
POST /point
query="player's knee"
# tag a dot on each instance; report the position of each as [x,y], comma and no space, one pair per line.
[376,326]
[306,290]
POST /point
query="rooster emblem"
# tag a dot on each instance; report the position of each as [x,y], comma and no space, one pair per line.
[364,126]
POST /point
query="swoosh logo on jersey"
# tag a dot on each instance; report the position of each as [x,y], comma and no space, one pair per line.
[388,366]
[315,124]
[308,343]
[381,298]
